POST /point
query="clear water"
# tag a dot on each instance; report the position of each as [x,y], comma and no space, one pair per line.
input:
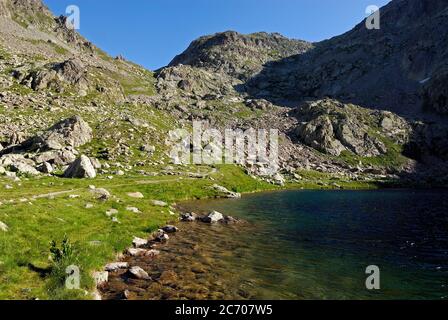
[317,244]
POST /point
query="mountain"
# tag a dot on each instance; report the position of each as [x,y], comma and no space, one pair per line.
[355,104]
[239,55]
[387,69]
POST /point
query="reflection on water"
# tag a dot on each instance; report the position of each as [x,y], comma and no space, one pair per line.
[305,245]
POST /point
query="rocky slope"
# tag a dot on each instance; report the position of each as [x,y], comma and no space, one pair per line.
[49,74]
[361,66]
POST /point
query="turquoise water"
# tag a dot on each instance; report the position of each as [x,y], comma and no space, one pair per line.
[317,244]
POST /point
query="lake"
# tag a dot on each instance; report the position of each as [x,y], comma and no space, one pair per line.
[306,245]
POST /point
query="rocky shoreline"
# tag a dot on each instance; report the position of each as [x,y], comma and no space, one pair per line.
[133,273]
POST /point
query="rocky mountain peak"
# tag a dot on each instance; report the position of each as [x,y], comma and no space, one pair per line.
[361,66]
[239,55]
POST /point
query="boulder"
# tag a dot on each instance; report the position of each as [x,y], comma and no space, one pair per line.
[81,168]
[213,217]
[158,203]
[139,242]
[161,236]
[72,132]
[45,168]
[100,193]
[139,273]
[225,192]
[170,229]
[188,217]
[137,252]
[136,195]
[111,267]
[23,168]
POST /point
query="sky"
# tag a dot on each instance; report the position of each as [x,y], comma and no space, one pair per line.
[152,32]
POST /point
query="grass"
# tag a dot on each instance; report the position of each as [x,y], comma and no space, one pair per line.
[25,269]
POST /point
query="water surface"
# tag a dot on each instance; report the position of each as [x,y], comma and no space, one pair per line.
[304,245]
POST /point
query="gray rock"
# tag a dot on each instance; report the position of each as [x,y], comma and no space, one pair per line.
[80,168]
[73,132]
[111,267]
[213,217]
[158,203]
[136,195]
[139,242]
[225,192]
[45,168]
[139,273]
[188,217]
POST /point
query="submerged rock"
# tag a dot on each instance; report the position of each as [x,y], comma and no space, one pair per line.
[170,229]
[188,217]
[139,273]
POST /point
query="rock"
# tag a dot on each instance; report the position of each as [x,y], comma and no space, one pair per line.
[188,217]
[213,217]
[3,227]
[139,242]
[230,220]
[148,148]
[24,168]
[101,193]
[80,168]
[158,203]
[136,195]
[88,206]
[170,229]
[115,266]
[279,179]
[73,132]
[111,212]
[115,220]
[333,127]
[139,273]
[101,278]
[18,163]
[95,163]
[161,236]
[136,252]
[45,168]
[133,210]
[227,193]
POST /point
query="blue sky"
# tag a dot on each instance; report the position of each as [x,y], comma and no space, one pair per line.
[152,32]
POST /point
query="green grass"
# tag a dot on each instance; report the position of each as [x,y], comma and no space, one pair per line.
[311,179]
[25,268]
